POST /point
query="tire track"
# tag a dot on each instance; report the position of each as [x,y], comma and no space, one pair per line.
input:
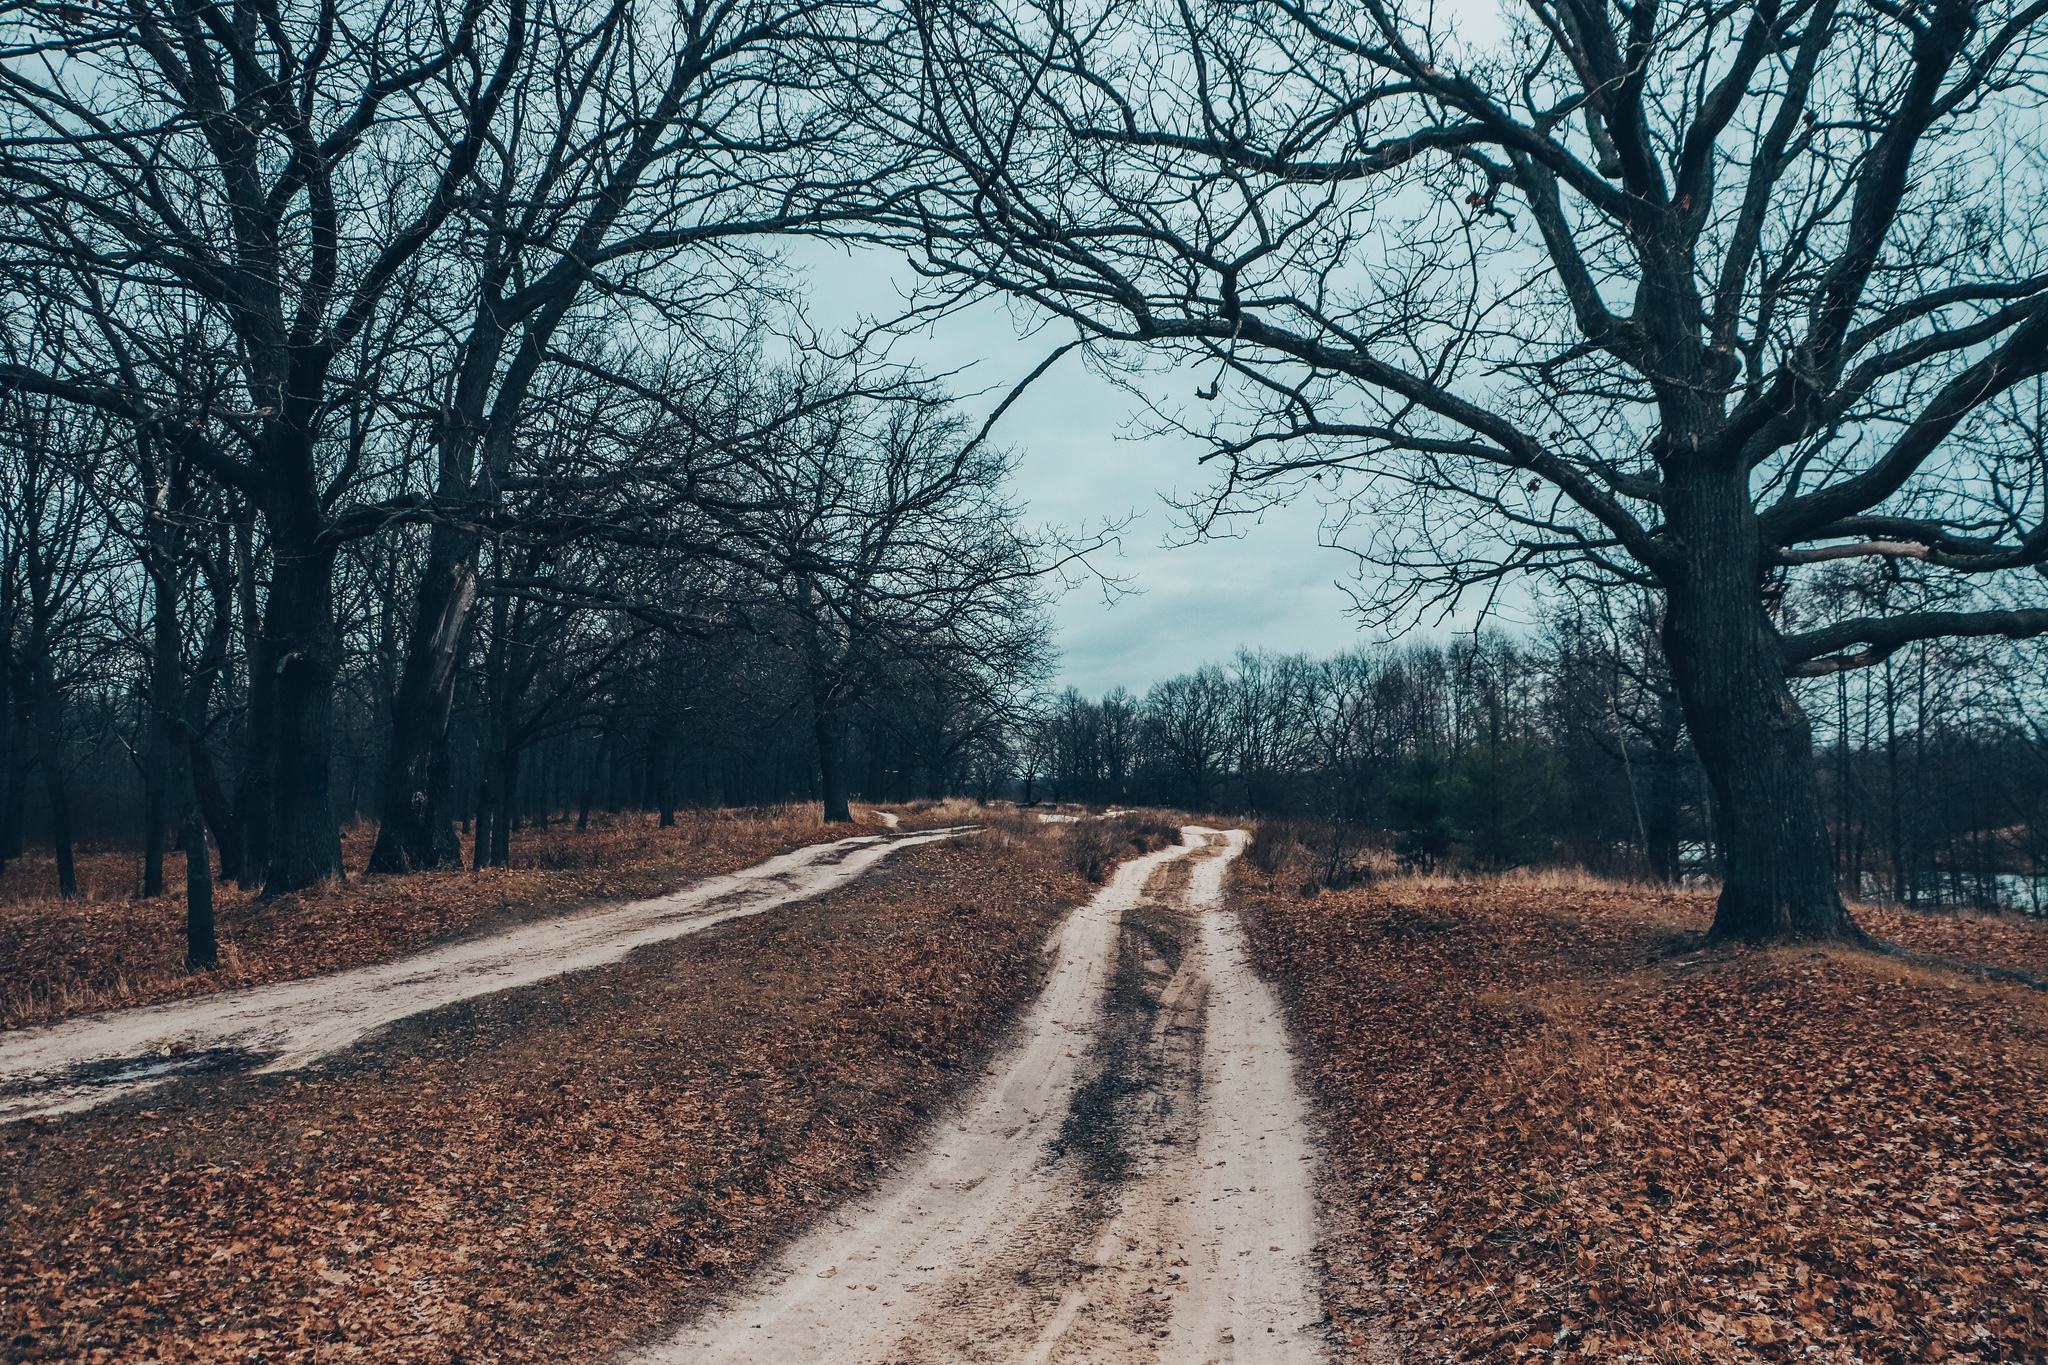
[81,1063]
[1130,1182]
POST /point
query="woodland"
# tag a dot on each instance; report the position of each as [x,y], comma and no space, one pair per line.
[455,600]
[407,419]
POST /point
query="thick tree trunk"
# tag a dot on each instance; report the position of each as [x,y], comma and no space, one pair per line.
[253,781]
[415,828]
[1753,740]
[304,652]
[831,729]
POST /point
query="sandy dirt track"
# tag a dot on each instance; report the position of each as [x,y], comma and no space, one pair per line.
[80,1063]
[1132,1181]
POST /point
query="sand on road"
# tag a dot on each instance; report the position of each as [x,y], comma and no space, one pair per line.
[80,1063]
[1131,1182]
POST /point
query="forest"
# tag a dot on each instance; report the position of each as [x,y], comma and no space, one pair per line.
[542,818]
[408,416]
[412,422]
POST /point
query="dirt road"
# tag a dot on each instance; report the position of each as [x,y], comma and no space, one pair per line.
[85,1062]
[1132,1182]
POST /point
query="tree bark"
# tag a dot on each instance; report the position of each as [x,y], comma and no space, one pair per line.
[486,814]
[166,709]
[253,781]
[831,729]
[1754,741]
[303,652]
[415,828]
[200,949]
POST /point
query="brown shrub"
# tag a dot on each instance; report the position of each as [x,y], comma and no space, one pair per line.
[1095,846]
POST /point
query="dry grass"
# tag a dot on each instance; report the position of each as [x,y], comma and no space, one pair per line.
[1552,1140]
[543,1174]
[109,947]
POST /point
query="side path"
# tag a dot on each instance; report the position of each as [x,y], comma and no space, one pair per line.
[81,1063]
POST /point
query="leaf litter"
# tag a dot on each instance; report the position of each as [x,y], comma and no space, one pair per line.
[1561,1132]
[544,1174]
[110,947]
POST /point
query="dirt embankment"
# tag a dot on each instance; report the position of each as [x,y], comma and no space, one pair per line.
[1550,1138]
[539,1174]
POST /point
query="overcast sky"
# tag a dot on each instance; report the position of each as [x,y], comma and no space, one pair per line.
[1273,586]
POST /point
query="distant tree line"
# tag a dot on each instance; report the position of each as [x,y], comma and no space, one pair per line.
[1570,747]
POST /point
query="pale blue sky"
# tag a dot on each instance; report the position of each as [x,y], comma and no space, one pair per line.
[1272,586]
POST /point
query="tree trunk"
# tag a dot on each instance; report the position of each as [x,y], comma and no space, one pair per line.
[486,813]
[508,803]
[14,810]
[304,650]
[49,705]
[661,768]
[212,800]
[831,728]
[1753,740]
[600,764]
[414,828]
[253,781]
[200,950]
[166,709]
[153,808]
[1660,821]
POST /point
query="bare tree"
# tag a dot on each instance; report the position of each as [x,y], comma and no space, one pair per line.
[225,198]
[638,164]
[879,537]
[1673,295]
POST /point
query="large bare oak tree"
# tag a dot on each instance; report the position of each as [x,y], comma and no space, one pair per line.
[1686,296]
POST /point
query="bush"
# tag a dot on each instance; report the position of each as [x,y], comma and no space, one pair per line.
[1094,847]
[1325,854]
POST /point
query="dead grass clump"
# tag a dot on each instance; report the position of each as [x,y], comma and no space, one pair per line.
[1096,845]
[1552,1138]
[1317,855]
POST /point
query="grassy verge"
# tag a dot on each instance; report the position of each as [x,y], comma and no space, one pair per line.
[544,1173]
[109,947]
[1562,1133]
